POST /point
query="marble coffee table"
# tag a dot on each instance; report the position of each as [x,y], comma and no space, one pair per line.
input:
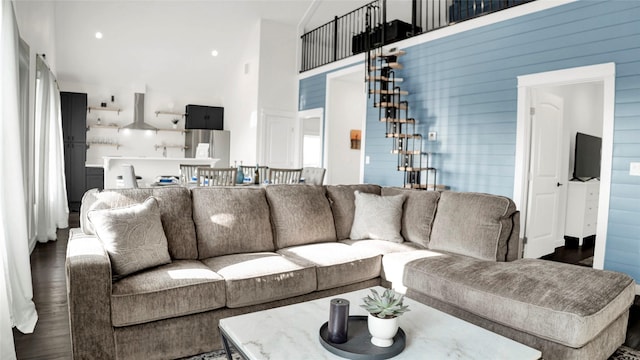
[292,332]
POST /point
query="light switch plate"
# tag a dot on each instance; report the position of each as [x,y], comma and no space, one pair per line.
[433,136]
[367,160]
[634,168]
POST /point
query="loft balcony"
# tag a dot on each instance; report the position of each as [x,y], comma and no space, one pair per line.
[377,24]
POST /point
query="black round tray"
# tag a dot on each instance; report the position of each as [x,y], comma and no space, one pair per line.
[358,345]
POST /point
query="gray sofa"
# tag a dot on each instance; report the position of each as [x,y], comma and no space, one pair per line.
[237,250]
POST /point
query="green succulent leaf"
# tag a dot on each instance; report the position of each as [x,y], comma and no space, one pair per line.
[387,305]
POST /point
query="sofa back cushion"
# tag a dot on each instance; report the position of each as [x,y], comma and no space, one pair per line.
[473,224]
[418,213]
[300,215]
[377,217]
[231,220]
[132,235]
[342,199]
[175,213]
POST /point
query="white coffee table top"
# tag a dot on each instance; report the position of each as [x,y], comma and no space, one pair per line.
[291,332]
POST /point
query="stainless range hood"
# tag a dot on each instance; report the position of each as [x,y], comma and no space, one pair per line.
[138,115]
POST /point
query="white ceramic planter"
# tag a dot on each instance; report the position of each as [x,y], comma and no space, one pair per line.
[382,330]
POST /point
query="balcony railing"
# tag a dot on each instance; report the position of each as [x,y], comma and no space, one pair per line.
[346,35]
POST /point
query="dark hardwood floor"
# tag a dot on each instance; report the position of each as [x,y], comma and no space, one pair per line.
[51,339]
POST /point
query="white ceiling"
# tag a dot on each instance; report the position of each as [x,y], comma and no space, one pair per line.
[167,41]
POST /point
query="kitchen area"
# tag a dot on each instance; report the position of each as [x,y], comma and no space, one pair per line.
[101,135]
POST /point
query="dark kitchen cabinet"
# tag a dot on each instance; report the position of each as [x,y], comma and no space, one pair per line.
[74,116]
[95,178]
[74,130]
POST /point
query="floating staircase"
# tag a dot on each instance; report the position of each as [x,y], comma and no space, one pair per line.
[394,111]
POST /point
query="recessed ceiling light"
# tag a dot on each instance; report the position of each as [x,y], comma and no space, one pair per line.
[214,53]
[98,35]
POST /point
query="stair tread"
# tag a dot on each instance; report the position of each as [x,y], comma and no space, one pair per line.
[400,135]
[391,65]
[388,92]
[389,54]
[384,78]
[406,152]
[415,168]
[425,186]
[386,104]
[399,121]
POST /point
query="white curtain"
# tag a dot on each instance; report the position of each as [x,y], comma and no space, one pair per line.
[52,211]
[16,294]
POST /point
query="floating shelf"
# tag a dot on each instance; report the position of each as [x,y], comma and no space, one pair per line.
[171,147]
[164,112]
[90,144]
[100,108]
[174,130]
[96,126]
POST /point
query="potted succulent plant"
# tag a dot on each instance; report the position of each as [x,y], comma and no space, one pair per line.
[383,315]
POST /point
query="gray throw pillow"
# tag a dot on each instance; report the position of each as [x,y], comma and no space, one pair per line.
[133,236]
[377,217]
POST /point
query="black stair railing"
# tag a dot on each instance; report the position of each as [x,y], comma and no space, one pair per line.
[336,39]
[362,29]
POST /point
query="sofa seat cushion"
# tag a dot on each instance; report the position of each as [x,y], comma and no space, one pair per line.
[336,264]
[158,293]
[563,303]
[381,247]
[394,264]
[300,215]
[258,278]
[343,206]
[231,221]
[473,224]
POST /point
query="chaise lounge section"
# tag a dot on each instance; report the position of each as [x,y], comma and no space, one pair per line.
[240,249]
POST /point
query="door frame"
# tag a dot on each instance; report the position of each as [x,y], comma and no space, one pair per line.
[604,73]
[335,75]
[311,113]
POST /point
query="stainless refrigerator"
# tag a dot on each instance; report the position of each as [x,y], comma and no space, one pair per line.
[218,140]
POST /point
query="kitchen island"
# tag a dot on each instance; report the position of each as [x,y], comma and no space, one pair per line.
[149,168]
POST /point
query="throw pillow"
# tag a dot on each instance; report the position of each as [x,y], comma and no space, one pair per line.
[377,217]
[133,236]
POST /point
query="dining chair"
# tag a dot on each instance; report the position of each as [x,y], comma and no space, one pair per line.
[208,176]
[284,176]
[188,172]
[313,175]
[129,179]
[263,171]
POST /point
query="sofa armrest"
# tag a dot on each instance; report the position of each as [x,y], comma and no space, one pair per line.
[88,275]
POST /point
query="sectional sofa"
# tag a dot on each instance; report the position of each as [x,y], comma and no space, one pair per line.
[151,271]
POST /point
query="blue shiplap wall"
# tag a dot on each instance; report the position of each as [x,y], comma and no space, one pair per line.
[464,87]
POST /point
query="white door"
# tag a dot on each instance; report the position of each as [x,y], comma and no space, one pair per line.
[279,150]
[544,216]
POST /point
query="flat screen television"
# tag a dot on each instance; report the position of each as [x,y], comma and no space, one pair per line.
[204,117]
[587,157]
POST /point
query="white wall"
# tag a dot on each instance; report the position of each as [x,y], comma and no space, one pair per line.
[279,76]
[242,100]
[583,112]
[345,111]
[36,22]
